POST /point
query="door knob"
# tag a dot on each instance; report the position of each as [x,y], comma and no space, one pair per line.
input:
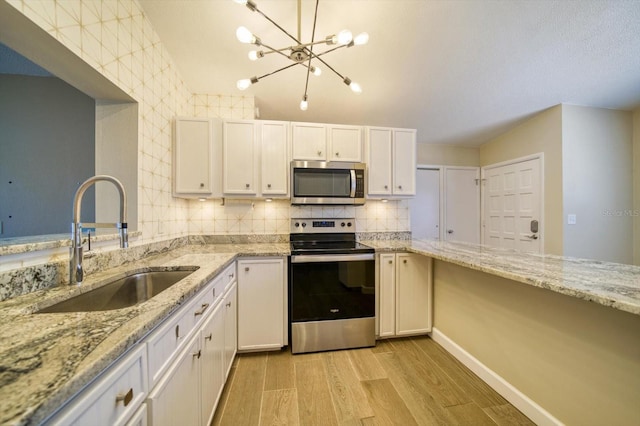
[532,236]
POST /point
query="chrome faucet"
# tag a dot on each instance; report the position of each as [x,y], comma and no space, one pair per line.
[76,274]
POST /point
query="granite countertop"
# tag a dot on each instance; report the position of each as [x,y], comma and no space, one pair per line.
[46,358]
[606,283]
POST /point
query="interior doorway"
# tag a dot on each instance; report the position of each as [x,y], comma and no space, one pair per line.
[512,204]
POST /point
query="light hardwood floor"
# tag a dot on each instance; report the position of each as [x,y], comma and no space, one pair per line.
[408,381]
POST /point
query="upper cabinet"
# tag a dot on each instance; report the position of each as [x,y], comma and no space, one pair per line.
[391,162]
[345,143]
[274,147]
[326,142]
[309,141]
[239,155]
[255,158]
[196,150]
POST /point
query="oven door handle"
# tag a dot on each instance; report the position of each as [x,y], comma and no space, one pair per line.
[332,258]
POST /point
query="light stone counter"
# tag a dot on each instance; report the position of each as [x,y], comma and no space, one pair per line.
[609,284]
[46,358]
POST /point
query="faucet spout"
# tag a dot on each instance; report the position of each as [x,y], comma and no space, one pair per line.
[76,273]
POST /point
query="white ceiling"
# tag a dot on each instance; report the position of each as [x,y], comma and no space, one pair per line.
[461,72]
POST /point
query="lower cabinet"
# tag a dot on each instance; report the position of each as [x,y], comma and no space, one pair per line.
[405,294]
[230,327]
[262,314]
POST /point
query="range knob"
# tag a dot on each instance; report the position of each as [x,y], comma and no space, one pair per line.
[342,224]
[297,224]
[304,224]
[349,224]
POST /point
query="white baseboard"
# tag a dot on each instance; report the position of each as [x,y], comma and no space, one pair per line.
[536,413]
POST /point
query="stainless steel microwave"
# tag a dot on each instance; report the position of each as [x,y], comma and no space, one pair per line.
[327,183]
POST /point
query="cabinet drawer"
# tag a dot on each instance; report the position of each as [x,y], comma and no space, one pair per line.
[229,276]
[114,397]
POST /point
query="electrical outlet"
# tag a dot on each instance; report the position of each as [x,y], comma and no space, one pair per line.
[571,219]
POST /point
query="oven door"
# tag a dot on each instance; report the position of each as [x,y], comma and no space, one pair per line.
[331,287]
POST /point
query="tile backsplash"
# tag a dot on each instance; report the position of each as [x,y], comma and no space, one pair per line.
[116,39]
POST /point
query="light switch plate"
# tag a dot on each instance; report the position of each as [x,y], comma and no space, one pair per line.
[571,219]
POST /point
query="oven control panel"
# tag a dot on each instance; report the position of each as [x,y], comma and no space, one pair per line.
[318,226]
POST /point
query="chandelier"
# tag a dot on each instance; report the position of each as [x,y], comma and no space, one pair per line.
[300,53]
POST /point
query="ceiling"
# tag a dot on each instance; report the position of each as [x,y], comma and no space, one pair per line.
[461,72]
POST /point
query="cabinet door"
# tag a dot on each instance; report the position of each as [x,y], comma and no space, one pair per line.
[193,156]
[404,162]
[275,158]
[379,163]
[211,362]
[176,398]
[239,153]
[230,328]
[387,294]
[309,141]
[413,294]
[345,143]
[261,295]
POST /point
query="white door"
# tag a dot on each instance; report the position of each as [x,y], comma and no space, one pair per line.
[512,205]
[462,204]
[425,206]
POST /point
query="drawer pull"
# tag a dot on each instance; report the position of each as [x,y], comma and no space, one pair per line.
[214,292]
[246,269]
[178,331]
[196,354]
[228,305]
[208,337]
[126,398]
[231,276]
[201,311]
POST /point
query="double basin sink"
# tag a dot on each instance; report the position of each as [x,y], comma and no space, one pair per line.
[130,290]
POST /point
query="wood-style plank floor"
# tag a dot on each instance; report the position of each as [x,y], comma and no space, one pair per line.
[408,381]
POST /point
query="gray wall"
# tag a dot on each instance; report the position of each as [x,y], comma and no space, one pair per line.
[47,147]
[597,170]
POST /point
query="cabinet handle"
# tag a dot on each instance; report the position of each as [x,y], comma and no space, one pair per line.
[246,269]
[337,154]
[399,186]
[319,153]
[231,276]
[178,331]
[201,311]
[404,261]
[208,337]
[228,305]
[247,185]
[386,187]
[201,185]
[197,354]
[390,262]
[126,398]
[214,292]
[269,185]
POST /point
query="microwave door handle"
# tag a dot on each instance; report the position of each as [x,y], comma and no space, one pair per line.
[353,184]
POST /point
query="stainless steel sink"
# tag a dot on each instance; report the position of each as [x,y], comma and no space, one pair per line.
[122,293]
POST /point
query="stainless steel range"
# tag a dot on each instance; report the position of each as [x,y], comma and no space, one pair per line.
[331,287]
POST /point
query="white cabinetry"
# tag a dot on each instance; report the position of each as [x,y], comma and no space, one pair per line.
[405,294]
[309,141]
[239,157]
[391,162]
[326,142]
[196,154]
[113,398]
[274,150]
[262,316]
[345,143]
[176,398]
[255,158]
